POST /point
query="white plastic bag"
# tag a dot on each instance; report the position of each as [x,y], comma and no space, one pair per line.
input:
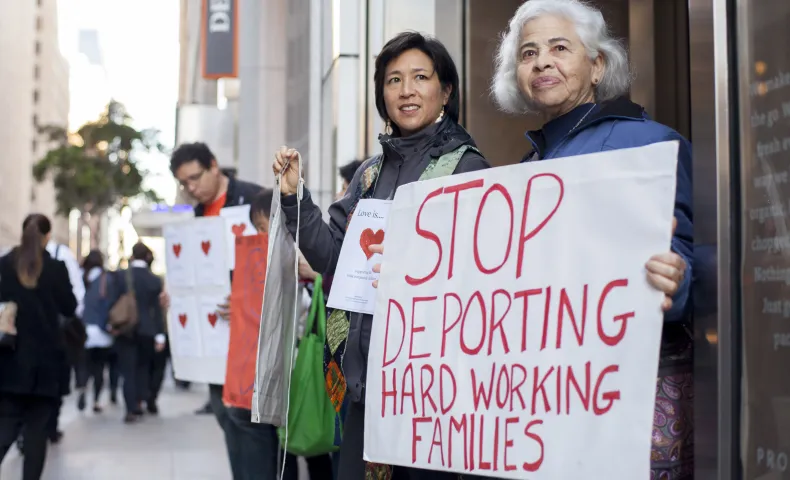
[277,336]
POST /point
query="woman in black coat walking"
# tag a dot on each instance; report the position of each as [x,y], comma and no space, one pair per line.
[30,373]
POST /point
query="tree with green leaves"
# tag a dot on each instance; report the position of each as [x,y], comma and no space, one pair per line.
[96,168]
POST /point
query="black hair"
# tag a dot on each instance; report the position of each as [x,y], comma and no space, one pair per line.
[30,254]
[93,260]
[348,170]
[443,65]
[191,152]
[140,251]
[261,204]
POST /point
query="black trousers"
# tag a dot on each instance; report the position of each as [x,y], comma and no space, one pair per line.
[158,367]
[136,361]
[33,413]
[96,360]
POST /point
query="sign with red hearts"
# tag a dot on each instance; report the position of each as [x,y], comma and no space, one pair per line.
[198,282]
[352,285]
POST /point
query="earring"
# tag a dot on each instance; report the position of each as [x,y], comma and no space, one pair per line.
[388,127]
[441,115]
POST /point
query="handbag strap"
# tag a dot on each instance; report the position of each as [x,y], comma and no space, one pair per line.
[103,285]
[129,280]
[317,310]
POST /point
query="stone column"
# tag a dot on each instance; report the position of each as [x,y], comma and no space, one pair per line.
[263,87]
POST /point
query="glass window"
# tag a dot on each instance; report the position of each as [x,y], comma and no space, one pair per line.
[763,37]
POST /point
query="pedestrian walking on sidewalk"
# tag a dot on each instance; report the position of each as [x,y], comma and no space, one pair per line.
[31,369]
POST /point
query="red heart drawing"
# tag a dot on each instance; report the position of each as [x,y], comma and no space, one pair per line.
[182,317]
[206,246]
[212,319]
[238,230]
[369,238]
[177,249]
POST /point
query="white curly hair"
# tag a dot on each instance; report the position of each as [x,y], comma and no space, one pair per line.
[594,34]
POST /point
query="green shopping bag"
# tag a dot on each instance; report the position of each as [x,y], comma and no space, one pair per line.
[311,415]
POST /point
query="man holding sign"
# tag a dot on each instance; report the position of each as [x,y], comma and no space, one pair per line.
[198,173]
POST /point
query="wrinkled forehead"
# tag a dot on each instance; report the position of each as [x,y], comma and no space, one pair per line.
[548,29]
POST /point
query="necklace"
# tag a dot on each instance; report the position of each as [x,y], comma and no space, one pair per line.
[582,119]
[535,153]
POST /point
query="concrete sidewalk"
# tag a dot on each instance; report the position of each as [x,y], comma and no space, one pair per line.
[176,445]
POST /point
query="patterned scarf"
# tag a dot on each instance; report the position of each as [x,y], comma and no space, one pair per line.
[337,325]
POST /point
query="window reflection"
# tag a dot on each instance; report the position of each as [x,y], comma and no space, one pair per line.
[764,80]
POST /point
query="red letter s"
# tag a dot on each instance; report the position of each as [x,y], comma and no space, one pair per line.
[534,466]
[428,235]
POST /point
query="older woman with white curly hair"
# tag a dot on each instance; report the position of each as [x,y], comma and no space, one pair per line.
[557,60]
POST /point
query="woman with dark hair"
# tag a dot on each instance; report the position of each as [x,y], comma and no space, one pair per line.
[31,372]
[99,344]
[417,96]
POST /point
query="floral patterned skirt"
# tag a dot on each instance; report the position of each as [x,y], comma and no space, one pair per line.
[672,455]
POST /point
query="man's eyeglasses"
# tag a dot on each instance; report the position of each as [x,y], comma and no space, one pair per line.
[193,179]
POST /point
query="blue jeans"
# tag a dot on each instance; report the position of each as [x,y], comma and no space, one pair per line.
[254,449]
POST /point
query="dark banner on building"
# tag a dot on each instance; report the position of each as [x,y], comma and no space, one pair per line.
[219,38]
[763,37]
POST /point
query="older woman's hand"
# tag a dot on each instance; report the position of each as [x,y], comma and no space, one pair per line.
[377,267]
[665,273]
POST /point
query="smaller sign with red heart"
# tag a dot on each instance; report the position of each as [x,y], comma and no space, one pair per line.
[352,285]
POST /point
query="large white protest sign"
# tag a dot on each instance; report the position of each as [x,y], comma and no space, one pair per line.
[352,284]
[515,334]
[198,279]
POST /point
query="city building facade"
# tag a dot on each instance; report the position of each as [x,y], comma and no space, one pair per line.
[35,94]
